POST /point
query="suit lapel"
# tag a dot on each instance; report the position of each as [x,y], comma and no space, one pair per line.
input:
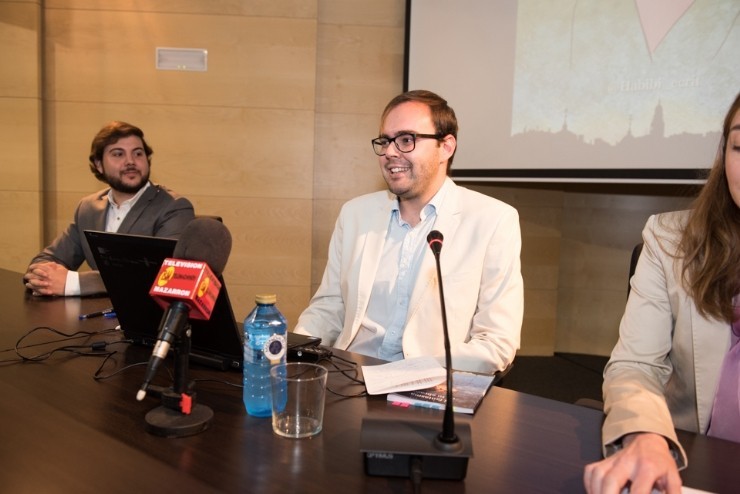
[101,212]
[130,220]
[372,250]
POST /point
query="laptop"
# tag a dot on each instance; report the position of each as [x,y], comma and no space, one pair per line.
[129,264]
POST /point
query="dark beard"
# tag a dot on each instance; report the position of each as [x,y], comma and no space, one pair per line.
[117,184]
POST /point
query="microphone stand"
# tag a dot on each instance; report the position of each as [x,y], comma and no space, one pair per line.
[447,440]
[179,415]
[414,447]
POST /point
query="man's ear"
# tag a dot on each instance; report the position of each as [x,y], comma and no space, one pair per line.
[99,166]
[448,146]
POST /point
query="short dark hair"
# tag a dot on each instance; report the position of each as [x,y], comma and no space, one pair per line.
[443,116]
[110,134]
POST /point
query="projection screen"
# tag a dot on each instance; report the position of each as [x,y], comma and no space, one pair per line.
[584,91]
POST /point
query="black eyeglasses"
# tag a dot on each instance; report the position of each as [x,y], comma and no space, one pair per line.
[405,143]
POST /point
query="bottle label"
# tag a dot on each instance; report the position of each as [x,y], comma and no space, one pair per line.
[274,348]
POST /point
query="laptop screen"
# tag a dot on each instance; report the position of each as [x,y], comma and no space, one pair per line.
[128,265]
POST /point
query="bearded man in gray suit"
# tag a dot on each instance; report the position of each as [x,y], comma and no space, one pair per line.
[121,158]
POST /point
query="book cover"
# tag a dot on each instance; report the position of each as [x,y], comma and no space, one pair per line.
[468,390]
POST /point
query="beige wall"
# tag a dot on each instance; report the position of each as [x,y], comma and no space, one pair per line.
[20,132]
[274,137]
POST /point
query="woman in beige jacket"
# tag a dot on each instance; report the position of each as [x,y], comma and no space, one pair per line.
[676,329]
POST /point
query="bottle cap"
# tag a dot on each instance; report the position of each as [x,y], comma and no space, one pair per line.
[265,298]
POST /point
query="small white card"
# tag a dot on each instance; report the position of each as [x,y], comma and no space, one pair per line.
[403,375]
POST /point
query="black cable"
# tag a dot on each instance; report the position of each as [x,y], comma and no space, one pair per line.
[415,473]
[347,368]
[98,376]
[94,349]
[352,368]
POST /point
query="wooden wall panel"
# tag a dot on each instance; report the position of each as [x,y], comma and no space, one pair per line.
[19,142]
[264,8]
[106,56]
[19,48]
[348,165]
[601,225]
[198,151]
[360,68]
[390,13]
[20,112]
[20,217]
[325,213]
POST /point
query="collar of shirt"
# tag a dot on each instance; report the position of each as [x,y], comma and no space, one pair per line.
[434,204]
[117,212]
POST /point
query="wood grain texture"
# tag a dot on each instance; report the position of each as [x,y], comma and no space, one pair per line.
[259,8]
[20,217]
[19,49]
[206,151]
[20,119]
[252,61]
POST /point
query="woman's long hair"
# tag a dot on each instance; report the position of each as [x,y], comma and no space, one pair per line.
[710,243]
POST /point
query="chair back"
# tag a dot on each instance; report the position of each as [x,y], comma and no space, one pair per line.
[633,264]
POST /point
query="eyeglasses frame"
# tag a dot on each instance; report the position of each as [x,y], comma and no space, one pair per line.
[375,142]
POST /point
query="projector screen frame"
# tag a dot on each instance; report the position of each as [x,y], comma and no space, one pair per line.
[515,173]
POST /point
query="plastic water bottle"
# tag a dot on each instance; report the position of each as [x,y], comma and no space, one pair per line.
[265,345]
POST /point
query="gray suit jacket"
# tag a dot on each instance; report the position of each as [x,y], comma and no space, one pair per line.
[664,370]
[480,267]
[159,212]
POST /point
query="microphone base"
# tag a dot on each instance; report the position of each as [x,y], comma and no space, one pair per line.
[391,447]
[165,422]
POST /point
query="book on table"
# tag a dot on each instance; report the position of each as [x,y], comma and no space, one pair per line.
[468,391]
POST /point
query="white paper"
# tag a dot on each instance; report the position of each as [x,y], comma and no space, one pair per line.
[403,375]
[684,490]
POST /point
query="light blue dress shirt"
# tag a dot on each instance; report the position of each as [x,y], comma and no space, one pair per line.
[381,332]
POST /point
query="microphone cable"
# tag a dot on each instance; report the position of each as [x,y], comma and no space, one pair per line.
[348,369]
[93,349]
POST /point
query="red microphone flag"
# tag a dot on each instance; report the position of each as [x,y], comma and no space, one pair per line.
[191,282]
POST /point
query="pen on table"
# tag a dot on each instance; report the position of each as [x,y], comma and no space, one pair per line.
[105,313]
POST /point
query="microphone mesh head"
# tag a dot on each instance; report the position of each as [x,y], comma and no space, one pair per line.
[206,240]
[435,235]
[434,239]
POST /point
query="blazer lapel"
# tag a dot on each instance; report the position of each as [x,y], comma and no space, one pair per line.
[372,250]
[138,209]
[101,211]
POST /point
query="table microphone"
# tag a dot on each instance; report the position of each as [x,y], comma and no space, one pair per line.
[416,448]
[447,436]
[187,285]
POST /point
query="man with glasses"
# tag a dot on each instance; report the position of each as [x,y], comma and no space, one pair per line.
[379,295]
[120,158]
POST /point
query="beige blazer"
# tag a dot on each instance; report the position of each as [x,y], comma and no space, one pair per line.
[664,370]
[480,268]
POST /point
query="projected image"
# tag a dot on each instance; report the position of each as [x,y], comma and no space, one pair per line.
[640,83]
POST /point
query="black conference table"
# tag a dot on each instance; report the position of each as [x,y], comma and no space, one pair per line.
[63,431]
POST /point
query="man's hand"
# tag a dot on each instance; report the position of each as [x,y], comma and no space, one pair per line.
[46,278]
[645,462]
